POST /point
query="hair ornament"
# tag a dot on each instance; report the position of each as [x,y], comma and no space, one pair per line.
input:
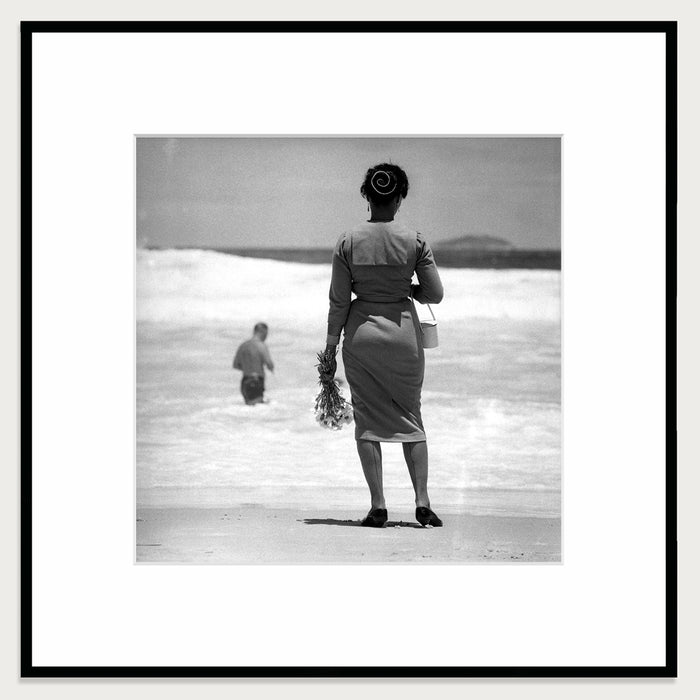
[383,183]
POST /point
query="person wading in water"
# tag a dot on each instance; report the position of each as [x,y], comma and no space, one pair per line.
[251,358]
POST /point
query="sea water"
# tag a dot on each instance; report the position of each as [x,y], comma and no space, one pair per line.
[491,398]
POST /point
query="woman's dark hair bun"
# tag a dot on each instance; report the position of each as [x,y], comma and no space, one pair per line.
[383,183]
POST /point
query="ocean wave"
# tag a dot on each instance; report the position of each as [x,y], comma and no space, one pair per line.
[191,286]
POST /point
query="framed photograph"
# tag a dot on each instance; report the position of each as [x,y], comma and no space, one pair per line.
[256,257]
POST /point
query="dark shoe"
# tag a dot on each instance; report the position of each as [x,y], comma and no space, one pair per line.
[425,516]
[376,518]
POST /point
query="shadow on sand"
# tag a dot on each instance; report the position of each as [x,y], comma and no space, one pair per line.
[355,523]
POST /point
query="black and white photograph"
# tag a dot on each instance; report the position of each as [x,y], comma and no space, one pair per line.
[348,349]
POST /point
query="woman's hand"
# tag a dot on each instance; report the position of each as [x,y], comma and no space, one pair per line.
[328,365]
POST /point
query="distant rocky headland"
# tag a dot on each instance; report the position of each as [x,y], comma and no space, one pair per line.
[491,252]
[474,243]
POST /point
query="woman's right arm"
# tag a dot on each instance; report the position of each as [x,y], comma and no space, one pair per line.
[339,293]
[429,288]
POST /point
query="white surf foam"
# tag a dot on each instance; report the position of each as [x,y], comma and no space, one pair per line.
[192,286]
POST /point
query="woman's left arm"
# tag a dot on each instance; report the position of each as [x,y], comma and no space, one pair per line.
[429,288]
[339,294]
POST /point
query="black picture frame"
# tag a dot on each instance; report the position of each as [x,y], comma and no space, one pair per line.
[30,670]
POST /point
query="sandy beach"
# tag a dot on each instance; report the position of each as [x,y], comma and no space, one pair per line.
[255,534]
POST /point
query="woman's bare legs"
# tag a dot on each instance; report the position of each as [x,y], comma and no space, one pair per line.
[416,456]
[370,453]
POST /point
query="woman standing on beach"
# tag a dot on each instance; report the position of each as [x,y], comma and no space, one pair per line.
[382,344]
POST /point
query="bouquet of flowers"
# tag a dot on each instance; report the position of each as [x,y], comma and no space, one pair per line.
[331,410]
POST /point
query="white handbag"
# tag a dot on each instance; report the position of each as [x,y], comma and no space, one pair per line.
[429,330]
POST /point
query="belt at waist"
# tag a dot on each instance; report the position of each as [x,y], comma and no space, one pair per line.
[383,300]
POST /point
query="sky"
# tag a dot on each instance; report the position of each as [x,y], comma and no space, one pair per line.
[288,192]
